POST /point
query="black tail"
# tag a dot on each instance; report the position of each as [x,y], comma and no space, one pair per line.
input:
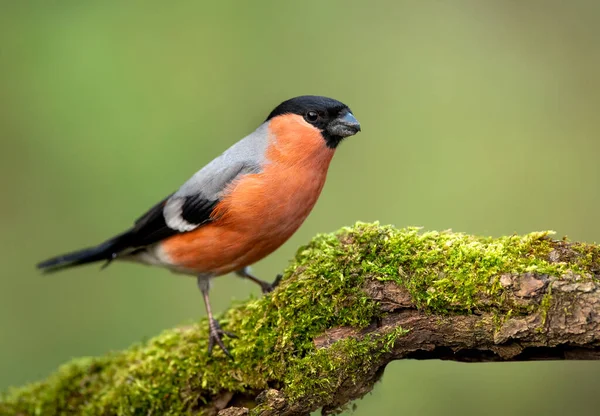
[106,251]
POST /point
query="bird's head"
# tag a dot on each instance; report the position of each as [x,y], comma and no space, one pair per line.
[333,119]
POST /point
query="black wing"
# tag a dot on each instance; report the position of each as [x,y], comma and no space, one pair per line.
[186,209]
[179,212]
[148,229]
[152,226]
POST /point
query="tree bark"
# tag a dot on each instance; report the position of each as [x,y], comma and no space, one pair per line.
[510,299]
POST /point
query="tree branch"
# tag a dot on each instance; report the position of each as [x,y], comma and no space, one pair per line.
[348,305]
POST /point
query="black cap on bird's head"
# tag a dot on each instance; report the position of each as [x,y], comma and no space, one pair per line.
[333,118]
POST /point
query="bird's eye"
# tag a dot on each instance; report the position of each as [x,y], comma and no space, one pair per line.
[312,116]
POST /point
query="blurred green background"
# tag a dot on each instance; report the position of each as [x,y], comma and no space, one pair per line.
[480,116]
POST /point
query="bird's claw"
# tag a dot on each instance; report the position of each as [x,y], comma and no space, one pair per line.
[267,287]
[215,337]
[276,281]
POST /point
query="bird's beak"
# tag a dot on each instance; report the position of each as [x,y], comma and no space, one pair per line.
[343,126]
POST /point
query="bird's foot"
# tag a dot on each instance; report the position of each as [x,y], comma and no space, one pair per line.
[276,281]
[215,337]
[267,287]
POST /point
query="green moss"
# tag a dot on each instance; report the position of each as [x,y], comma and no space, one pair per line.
[444,272]
[452,272]
[586,258]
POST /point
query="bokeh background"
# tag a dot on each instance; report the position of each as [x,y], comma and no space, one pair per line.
[480,116]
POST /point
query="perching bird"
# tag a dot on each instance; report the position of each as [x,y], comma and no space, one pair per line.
[241,206]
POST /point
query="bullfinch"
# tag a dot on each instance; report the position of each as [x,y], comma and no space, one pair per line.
[240,207]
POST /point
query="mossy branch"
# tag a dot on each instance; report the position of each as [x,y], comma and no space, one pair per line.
[350,303]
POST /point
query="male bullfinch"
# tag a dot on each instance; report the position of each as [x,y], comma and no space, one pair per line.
[240,207]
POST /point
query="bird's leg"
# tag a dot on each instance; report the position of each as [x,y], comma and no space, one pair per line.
[215,329]
[266,287]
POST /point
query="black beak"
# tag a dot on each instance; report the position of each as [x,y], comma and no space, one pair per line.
[343,126]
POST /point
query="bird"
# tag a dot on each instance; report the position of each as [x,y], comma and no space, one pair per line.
[237,209]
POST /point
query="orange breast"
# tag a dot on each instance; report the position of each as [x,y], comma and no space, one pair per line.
[261,211]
